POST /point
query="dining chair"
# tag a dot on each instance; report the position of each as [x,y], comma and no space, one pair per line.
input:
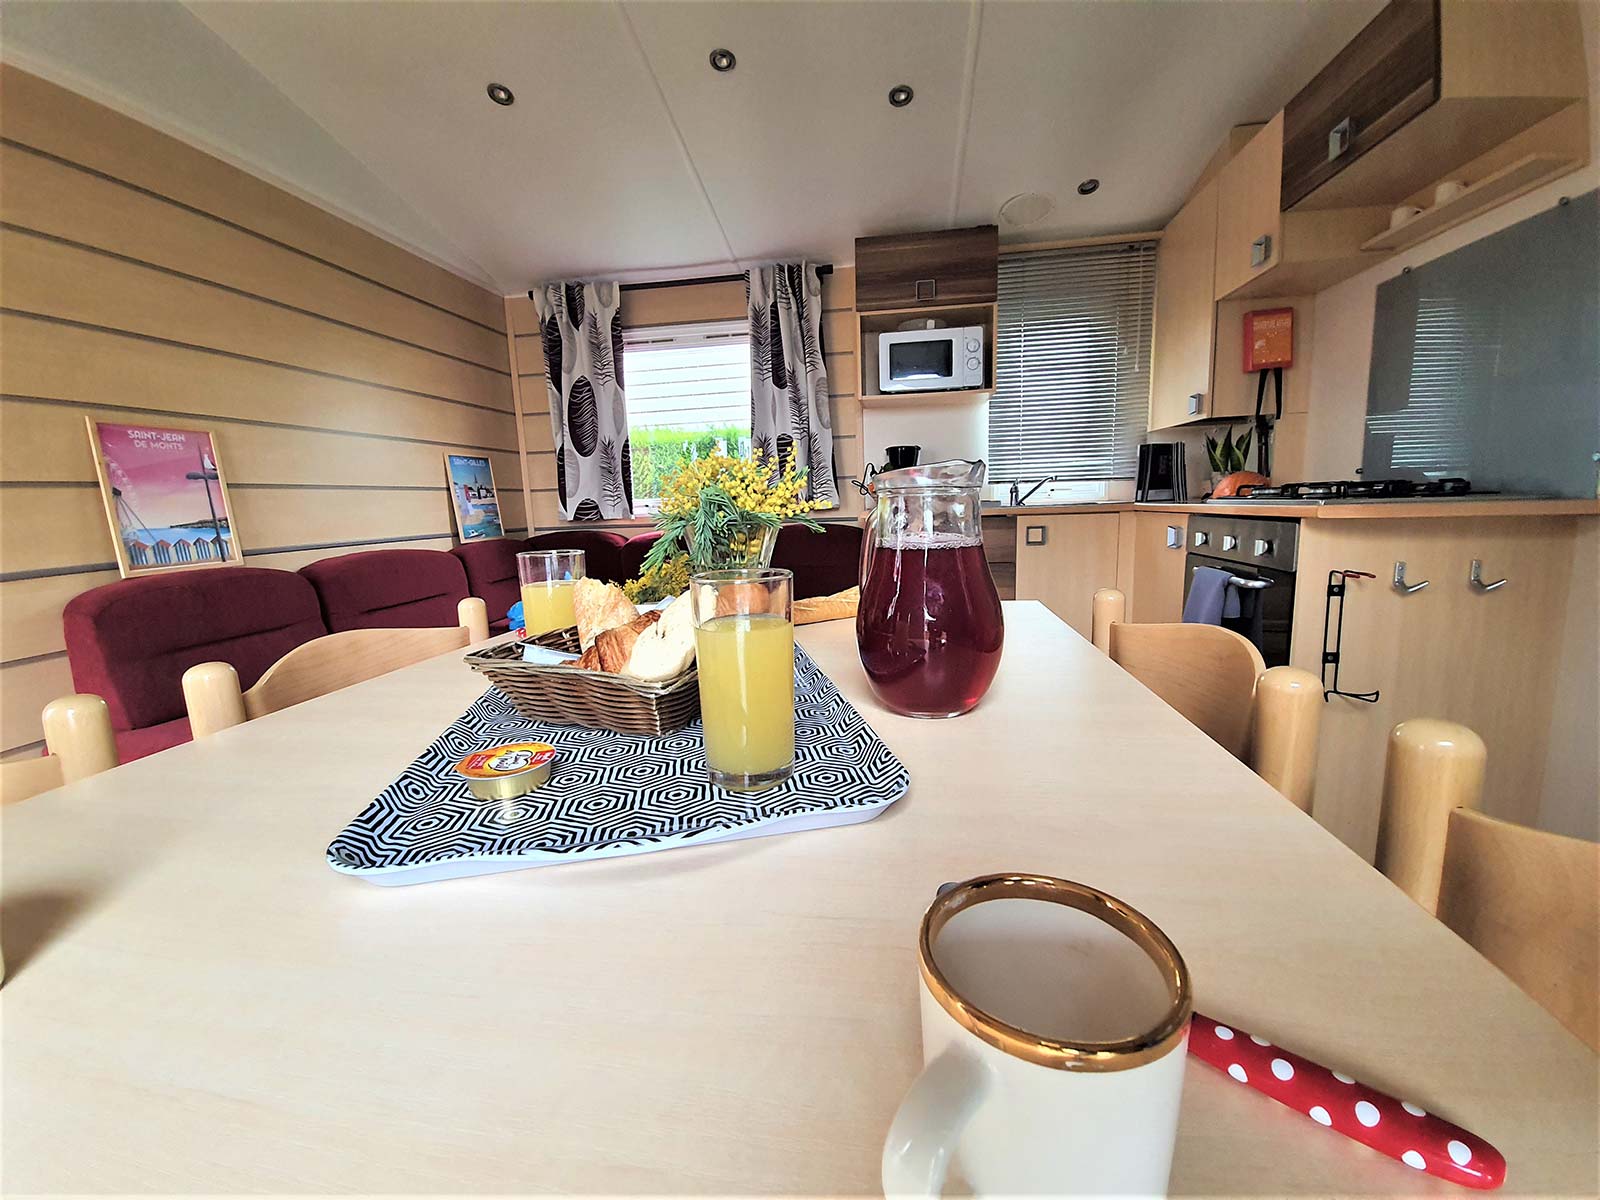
[338,660]
[1527,900]
[79,742]
[1219,682]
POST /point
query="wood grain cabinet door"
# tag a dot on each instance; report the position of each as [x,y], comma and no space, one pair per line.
[1185,314]
[1063,559]
[1386,76]
[1159,551]
[1249,225]
[942,267]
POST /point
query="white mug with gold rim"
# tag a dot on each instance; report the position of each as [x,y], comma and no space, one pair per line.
[1054,1025]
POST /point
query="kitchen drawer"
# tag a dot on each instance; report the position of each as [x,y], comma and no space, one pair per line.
[1388,74]
[953,266]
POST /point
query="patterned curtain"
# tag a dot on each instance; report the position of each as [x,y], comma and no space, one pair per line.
[582,334]
[789,378]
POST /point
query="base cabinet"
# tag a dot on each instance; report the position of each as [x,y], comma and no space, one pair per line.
[1159,548]
[1063,559]
[1491,660]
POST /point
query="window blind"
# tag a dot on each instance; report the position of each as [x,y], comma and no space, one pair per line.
[687,376]
[1072,389]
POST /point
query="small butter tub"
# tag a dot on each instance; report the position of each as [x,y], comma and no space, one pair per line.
[508,771]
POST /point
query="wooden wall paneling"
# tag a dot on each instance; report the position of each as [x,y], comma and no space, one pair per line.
[64,201]
[47,443]
[25,688]
[49,360]
[57,280]
[1484,660]
[50,118]
[517,410]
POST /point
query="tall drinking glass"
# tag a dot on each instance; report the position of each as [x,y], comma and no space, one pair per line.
[548,578]
[744,642]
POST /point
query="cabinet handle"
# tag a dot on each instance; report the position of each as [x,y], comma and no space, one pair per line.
[1476,579]
[1174,538]
[1400,584]
[1195,402]
[1340,137]
[1261,250]
[1028,538]
[932,286]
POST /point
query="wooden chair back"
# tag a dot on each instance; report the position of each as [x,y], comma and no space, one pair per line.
[1205,672]
[79,742]
[1527,900]
[1215,678]
[215,702]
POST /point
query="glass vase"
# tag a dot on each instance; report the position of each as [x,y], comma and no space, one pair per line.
[749,547]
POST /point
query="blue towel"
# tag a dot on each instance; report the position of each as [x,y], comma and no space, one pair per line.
[1210,597]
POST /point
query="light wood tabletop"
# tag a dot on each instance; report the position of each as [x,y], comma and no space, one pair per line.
[196,1002]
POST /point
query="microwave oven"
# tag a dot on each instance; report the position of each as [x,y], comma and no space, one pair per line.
[931,360]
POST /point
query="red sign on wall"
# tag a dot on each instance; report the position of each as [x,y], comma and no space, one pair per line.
[1268,339]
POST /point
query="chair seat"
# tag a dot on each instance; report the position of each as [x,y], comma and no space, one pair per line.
[141,743]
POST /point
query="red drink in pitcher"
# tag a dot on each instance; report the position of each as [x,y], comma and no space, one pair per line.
[929,627]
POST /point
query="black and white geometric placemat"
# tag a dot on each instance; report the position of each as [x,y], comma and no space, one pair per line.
[612,793]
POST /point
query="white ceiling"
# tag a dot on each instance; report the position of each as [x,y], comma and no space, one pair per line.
[626,155]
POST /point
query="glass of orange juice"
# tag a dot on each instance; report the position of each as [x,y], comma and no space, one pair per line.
[744,643]
[548,578]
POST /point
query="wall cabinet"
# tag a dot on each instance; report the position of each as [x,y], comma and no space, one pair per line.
[1425,88]
[1261,250]
[1185,314]
[942,267]
[1063,559]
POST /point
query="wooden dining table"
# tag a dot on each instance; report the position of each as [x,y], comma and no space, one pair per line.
[196,1002]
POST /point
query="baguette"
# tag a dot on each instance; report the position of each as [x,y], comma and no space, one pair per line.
[836,607]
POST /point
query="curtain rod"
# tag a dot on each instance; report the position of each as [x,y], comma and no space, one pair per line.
[822,271]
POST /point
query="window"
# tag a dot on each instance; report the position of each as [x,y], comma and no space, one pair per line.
[1072,392]
[688,389]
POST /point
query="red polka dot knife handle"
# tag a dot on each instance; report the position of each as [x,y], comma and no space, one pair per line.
[1398,1128]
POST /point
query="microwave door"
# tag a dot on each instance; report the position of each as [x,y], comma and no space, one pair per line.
[917,365]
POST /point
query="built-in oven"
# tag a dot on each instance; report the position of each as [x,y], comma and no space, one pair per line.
[1259,556]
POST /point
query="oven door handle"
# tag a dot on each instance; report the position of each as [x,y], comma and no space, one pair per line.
[1249,585]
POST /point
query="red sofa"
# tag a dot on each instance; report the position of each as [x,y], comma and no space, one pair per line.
[602,550]
[491,564]
[823,563]
[388,589]
[131,641]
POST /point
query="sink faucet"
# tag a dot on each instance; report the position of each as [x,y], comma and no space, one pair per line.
[1017,501]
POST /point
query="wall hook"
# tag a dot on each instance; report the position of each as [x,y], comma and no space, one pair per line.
[1400,584]
[1476,579]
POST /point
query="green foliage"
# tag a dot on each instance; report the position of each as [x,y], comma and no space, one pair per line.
[1228,455]
[657,453]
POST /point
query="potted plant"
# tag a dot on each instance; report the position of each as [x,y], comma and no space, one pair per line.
[1228,455]
[724,512]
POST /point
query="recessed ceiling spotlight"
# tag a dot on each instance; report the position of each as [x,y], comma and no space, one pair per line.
[723,60]
[1026,208]
[901,95]
[501,95]
[1088,187]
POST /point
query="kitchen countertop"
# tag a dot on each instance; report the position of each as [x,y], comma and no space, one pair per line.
[1486,506]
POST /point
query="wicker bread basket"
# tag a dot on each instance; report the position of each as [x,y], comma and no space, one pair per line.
[563,695]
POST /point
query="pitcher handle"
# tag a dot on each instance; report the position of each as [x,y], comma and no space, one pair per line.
[869,538]
[928,1124]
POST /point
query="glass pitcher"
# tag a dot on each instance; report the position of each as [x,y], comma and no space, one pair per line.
[929,627]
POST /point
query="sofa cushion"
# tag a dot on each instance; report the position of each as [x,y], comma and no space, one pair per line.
[140,743]
[388,589]
[823,563]
[631,556]
[602,550]
[491,567]
[131,641]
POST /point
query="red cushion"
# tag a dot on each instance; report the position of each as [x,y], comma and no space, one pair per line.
[388,589]
[491,567]
[131,641]
[823,563]
[137,743]
[602,550]
[631,557]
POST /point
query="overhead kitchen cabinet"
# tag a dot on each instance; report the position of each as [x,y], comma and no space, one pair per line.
[1185,314]
[1261,250]
[928,270]
[1425,88]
